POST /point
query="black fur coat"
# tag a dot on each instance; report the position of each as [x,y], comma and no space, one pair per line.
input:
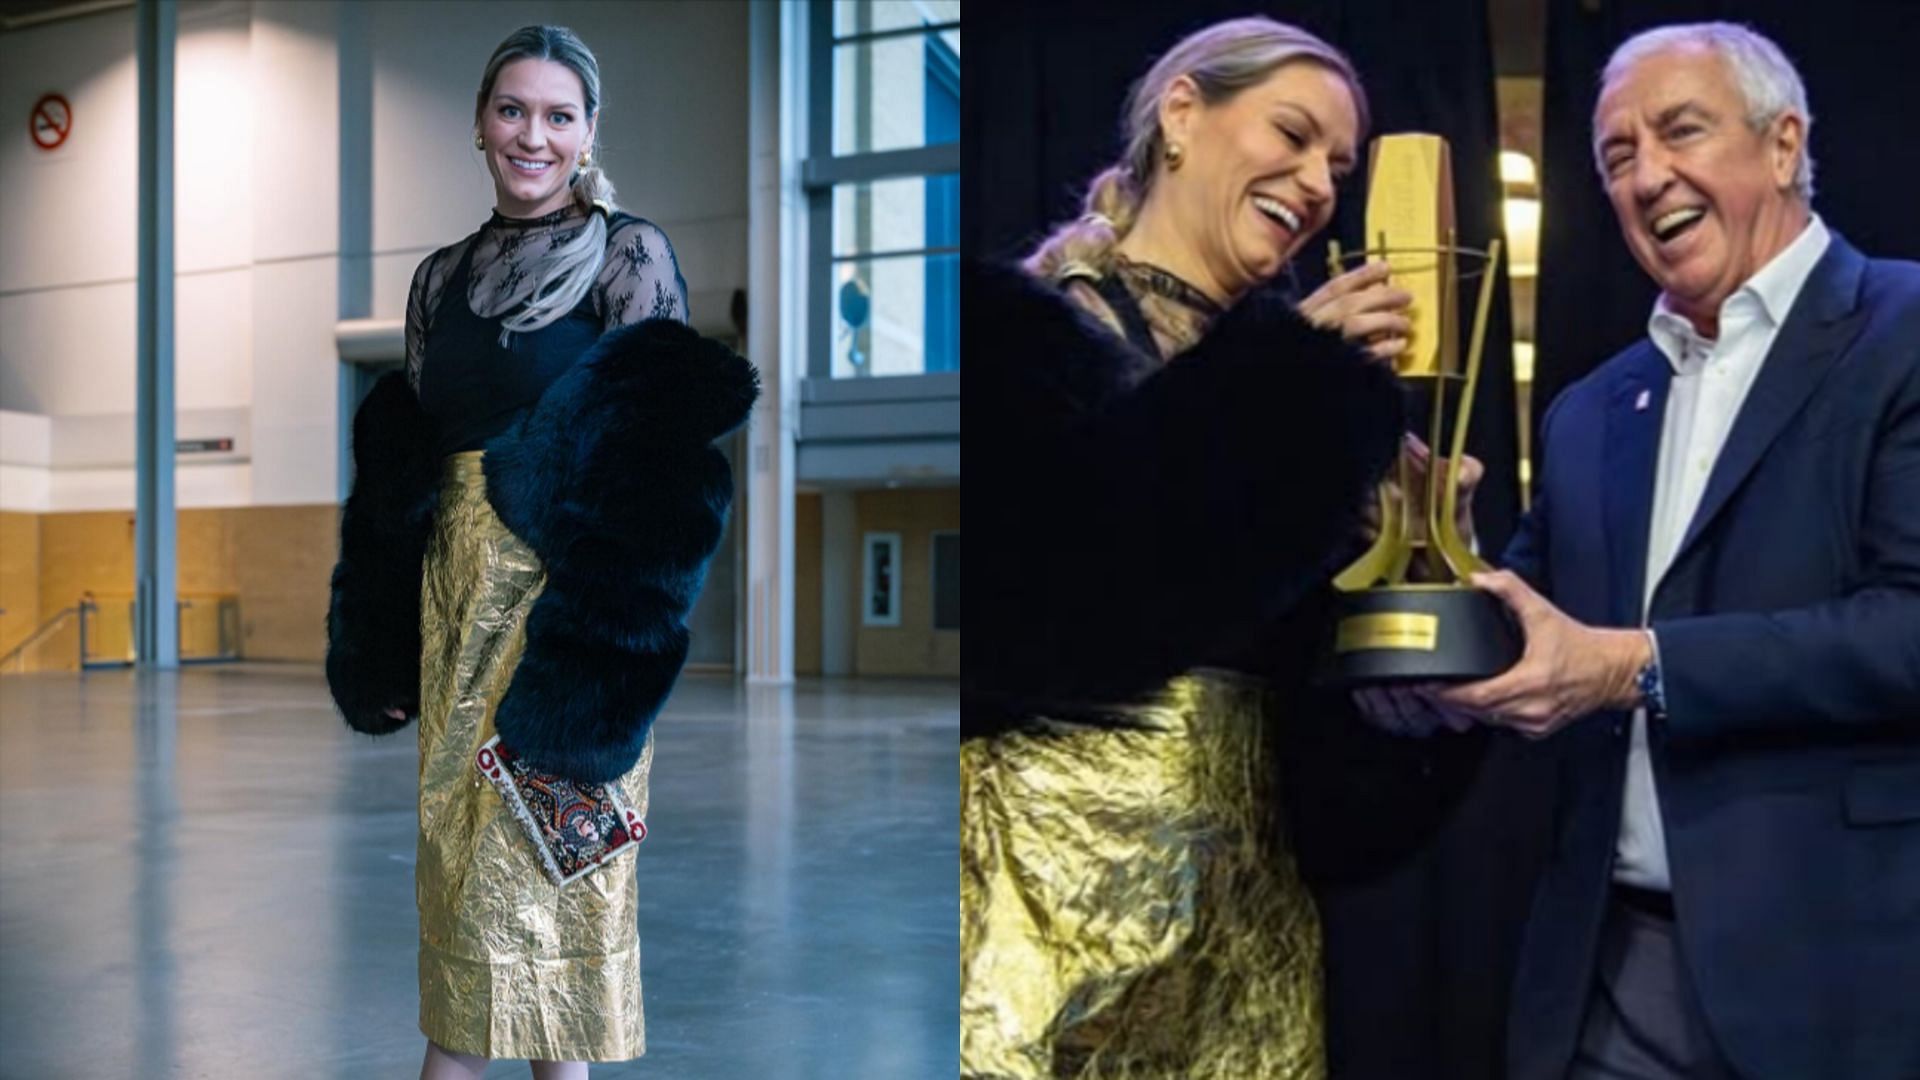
[1134,520]
[613,480]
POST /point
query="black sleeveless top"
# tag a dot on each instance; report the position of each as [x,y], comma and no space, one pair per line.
[492,385]
[467,381]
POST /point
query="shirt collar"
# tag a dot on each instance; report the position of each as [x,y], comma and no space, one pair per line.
[1772,289]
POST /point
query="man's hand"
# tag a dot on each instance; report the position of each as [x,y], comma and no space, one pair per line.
[1568,671]
[1365,307]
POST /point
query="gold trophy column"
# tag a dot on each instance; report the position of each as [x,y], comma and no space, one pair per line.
[1410,217]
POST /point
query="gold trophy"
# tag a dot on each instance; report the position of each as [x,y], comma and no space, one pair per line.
[1436,627]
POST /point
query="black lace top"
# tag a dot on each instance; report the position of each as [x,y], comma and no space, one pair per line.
[473,386]
[1176,313]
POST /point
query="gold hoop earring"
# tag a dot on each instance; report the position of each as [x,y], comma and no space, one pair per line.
[478,142]
[586,159]
[1175,155]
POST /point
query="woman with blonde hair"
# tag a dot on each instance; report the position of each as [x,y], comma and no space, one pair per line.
[1174,461]
[535,500]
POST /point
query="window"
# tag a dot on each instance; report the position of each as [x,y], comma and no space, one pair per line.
[946,581]
[943,208]
[882,179]
[880,580]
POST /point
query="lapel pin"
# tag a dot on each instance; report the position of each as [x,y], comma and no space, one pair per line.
[1645,399]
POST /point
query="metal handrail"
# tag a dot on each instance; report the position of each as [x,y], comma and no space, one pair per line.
[89,610]
[90,605]
[44,631]
[222,602]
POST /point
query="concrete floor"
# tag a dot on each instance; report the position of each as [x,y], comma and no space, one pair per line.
[206,875]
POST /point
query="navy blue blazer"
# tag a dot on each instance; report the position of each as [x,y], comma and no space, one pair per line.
[1789,628]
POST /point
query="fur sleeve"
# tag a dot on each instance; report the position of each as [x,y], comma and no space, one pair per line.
[373,617]
[1139,517]
[614,482]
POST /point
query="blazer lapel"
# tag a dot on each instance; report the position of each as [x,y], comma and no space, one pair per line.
[1823,320]
[1634,414]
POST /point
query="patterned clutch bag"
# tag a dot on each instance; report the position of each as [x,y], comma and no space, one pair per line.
[576,828]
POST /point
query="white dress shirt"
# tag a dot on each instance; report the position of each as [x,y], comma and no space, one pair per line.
[1711,378]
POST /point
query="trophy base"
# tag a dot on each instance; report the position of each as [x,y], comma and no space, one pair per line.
[1419,634]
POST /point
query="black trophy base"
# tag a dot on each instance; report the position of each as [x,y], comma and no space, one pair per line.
[1418,634]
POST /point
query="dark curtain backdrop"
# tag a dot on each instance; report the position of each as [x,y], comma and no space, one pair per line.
[1860,60]
[1419,959]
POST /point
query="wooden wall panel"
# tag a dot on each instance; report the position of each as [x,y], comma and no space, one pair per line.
[206,555]
[275,559]
[807,569]
[89,552]
[283,558]
[19,577]
[914,647]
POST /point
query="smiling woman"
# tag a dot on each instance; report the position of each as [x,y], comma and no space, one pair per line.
[534,504]
[1235,141]
[1195,450]
[533,121]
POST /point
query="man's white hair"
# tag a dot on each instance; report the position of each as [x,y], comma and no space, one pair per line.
[1763,73]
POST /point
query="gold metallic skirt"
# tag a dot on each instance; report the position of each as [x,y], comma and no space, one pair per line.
[511,966]
[1127,907]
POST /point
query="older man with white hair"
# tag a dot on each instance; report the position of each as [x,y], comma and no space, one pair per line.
[1727,525]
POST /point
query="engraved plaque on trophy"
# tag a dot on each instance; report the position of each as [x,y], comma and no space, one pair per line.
[1404,611]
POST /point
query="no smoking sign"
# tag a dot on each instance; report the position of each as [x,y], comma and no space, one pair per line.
[51,120]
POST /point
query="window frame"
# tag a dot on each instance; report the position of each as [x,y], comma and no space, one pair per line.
[823,170]
[933,581]
[896,550]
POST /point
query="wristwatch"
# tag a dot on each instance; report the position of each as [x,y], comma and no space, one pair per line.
[1653,692]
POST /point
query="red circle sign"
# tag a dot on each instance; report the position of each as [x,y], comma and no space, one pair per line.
[51,120]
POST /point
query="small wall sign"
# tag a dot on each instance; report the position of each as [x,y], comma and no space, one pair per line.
[50,122]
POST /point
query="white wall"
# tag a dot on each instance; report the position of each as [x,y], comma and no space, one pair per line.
[26,448]
[259,205]
[94,472]
[68,215]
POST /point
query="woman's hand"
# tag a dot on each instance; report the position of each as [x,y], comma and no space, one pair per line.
[1365,307]
[1410,711]
[1419,463]
[1420,466]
